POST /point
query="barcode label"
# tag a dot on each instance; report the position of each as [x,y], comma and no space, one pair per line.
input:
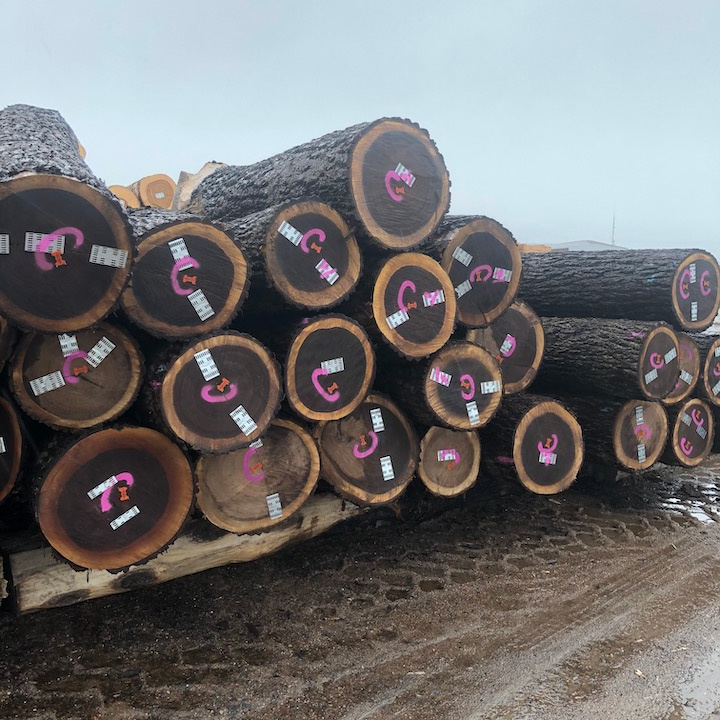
[641,453]
[405,175]
[46,383]
[335,365]
[716,388]
[108,256]
[289,232]
[179,251]
[102,487]
[243,420]
[68,344]
[652,375]
[32,242]
[508,344]
[125,517]
[547,458]
[639,415]
[207,365]
[491,386]
[686,419]
[201,305]
[376,418]
[257,444]
[274,506]
[449,454]
[440,377]
[693,273]
[462,256]
[472,413]
[701,431]
[502,275]
[2,445]
[386,468]
[693,311]
[670,355]
[686,377]
[463,288]
[327,272]
[4,244]
[717,351]
[433,298]
[100,351]
[397,319]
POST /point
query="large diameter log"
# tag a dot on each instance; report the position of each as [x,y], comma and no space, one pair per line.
[303,250]
[517,341]
[155,191]
[258,487]
[679,287]
[692,432]
[387,177]
[189,277]
[371,455]
[689,362]
[65,247]
[77,381]
[539,438]
[115,498]
[11,448]
[449,461]
[622,358]
[329,369]
[125,195]
[709,384]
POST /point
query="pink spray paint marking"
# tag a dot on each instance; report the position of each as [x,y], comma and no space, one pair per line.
[683,293]
[407,285]
[431,298]
[642,432]
[504,460]
[634,334]
[508,347]
[476,273]
[179,267]
[657,361]
[315,232]
[705,288]
[248,471]
[317,373]
[207,393]
[40,259]
[67,371]
[451,454]
[716,370]
[686,446]
[695,414]
[468,385]
[546,451]
[392,175]
[125,477]
[360,454]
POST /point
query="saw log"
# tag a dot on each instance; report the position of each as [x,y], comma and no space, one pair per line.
[125,195]
[690,369]
[709,383]
[11,448]
[449,461]
[154,191]
[692,432]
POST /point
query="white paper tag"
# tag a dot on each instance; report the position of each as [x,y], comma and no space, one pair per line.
[46,383]
[386,467]
[502,275]
[717,351]
[207,365]
[693,311]
[327,272]
[32,242]
[693,273]
[243,420]
[433,298]
[639,415]
[376,418]
[686,377]
[508,345]
[716,388]
[274,506]
[397,319]
[670,355]
[449,454]
[652,375]
[641,453]
[686,419]
[440,377]
[179,251]
[463,288]
[289,232]
[108,256]
[491,386]
[701,431]
[2,445]
[102,487]
[102,348]
[335,365]
[4,244]
[202,306]
[462,256]
[129,515]
[257,444]
[547,458]
[405,175]
[472,412]
[68,344]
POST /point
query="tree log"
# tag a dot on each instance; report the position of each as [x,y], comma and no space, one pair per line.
[371,455]
[125,195]
[709,384]
[679,287]
[692,432]
[189,277]
[8,338]
[254,489]
[154,191]
[690,369]
[626,359]
[11,448]
[387,177]
[65,249]
[517,341]
[449,461]
[115,498]
[187,182]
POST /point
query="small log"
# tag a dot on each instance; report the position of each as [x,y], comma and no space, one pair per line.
[709,384]
[692,432]
[65,248]
[449,461]
[77,381]
[125,195]
[11,448]
[387,177]
[626,359]
[539,438]
[679,287]
[371,455]
[330,368]
[189,277]
[155,191]
[517,341]
[254,489]
[187,182]
[115,498]
[689,363]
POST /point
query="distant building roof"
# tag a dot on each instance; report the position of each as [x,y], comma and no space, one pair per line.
[585,245]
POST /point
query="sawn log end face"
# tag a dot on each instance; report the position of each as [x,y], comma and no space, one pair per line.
[449,461]
[692,433]
[640,431]
[696,291]
[711,374]
[689,363]
[658,363]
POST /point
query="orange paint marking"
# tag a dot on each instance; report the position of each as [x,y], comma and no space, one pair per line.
[223,384]
[257,466]
[451,465]
[411,305]
[334,386]
[80,370]
[315,247]
[192,279]
[123,493]
[465,384]
[363,441]
[57,254]
[548,442]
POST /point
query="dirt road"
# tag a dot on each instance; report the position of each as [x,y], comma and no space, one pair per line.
[601,602]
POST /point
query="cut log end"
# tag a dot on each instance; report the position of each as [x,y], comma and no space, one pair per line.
[690,364]
[640,431]
[330,368]
[221,393]
[658,363]
[695,293]
[253,489]
[399,183]
[517,341]
[116,498]
[125,195]
[155,191]
[11,448]
[371,455]
[711,374]
[691,435]
[414,305]
[65,253]
[449,461]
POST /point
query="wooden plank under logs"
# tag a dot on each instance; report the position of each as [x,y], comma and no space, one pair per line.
[189,276]
[536,439]
[258,487]
[65,247]
[11,448]
[709,384]
[517,341]
[219,394]
[371,455]
[449,461]
[690,365]
[77,381]
[626,359]
[692,433]
[154,191]
[679,287]
[115,498]
[386,177]
[125,195]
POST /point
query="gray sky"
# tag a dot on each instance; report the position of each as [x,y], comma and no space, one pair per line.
[551,114]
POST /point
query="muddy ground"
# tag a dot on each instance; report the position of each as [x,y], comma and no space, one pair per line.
[601,602]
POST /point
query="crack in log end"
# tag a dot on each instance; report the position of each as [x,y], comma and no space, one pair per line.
[136,579]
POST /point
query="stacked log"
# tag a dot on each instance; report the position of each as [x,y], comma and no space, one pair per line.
[692,432]
[449,460]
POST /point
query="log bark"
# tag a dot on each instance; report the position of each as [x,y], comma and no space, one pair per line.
[154,191]
[115,498]
[8,338]
[78,381]
[690,369]
[126,196]
[65,249]
[679,287]
[627,359]
[187,182]
[517,341]
[386,177]
[449,461]
[708,386]
[189,278]
[371,455]
[11,448]
[538,438]
[254,489]
[692,433]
